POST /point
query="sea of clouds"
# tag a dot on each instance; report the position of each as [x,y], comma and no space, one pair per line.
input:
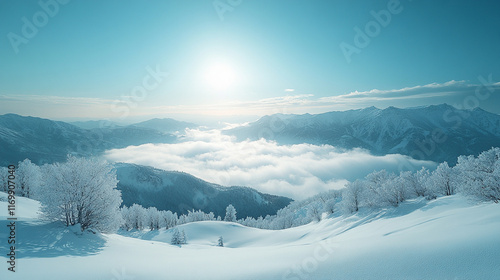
[296,171]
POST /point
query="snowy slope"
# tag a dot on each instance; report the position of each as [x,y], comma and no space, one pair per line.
[448,238]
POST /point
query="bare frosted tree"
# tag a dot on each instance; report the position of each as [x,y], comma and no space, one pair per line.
[442,181]
[230,214]
[29,178]
[480,177]
[82,191]
[352,196]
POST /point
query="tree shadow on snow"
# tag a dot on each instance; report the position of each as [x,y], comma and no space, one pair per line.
[48,240]
[405,208]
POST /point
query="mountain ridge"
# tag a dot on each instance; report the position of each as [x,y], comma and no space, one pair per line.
[47,141]
[165,124]
[437,132]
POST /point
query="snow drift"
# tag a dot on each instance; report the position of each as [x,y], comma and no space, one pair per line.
[447,238]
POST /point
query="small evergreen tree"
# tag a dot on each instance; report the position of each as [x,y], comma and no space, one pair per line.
[183,239]
[220,242]
[176,237]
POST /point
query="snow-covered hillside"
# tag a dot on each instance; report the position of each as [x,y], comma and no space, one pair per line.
[180,192]
[447,238]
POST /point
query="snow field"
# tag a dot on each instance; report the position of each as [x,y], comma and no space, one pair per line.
[447,238]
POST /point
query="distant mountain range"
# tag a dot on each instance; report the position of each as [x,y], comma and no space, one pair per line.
[166,125]
[95,124]
[438,133]
[47,141]
[180,192]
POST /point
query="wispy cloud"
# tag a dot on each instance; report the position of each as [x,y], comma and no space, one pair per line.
[452,92]
[297,171]
[56,106]
[49,99]
[424,91]
[264,106]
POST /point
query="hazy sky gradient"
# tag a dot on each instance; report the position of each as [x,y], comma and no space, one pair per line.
[88,55]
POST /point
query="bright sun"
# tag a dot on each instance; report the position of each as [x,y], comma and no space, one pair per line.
[220,76]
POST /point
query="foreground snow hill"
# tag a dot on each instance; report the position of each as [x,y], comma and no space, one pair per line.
[447,238]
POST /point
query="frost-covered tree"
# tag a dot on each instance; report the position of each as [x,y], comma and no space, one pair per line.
[411,184]
[315,211]
[329,206]
[153,218]
[196,216]
[4,178]
[248,221]
[29,178]
[169,218]
[422,177]
[352,196]
[283,219]
[184,237]
[394,191]
[137,216]
[220,242]
[127,221]
[178,237]
[480,176]
[382,191]
[230,214]
[182,220]
[82,191]
[441,182]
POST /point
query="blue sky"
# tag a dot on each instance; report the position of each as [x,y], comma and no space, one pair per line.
[98,59]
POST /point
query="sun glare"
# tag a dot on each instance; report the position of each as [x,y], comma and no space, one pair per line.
[220,76]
